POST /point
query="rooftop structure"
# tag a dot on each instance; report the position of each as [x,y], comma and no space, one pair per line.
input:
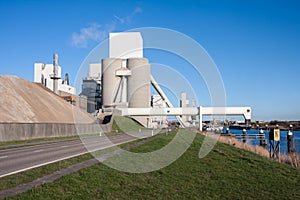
[125,45]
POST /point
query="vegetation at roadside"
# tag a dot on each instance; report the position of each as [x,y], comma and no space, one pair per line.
[290,159]
[30,175]
[225,173]
[126,124]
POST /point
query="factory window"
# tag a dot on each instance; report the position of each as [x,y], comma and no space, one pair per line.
[42,79]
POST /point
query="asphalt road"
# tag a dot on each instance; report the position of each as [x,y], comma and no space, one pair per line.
[14,160]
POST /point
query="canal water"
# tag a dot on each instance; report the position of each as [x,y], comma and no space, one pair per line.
[283,139]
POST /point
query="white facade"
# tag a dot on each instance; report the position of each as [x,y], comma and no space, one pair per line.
[43,73]
[95,71]
[66,88]
[125,45]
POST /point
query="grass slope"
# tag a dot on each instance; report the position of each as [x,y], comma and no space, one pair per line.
[126,124]
[226,173]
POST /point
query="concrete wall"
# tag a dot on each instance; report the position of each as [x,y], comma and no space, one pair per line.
[24,131]
[95,71]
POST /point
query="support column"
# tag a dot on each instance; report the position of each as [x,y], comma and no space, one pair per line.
[124,90]
[200,118]
[247,122]
[290,140]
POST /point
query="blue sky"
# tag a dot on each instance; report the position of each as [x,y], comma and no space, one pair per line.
[255,44]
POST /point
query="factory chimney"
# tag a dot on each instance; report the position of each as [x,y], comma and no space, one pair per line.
[66,79]
[55,76]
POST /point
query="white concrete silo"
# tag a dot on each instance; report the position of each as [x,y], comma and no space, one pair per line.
[138,85]
[110,81]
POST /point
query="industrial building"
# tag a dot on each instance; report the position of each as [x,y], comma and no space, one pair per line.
[126,75]
[50,76]
[124,80]
[91,88]
[120,84]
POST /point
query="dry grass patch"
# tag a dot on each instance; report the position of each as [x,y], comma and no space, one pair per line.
[291,159]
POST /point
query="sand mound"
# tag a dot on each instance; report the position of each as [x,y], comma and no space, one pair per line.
[25,102]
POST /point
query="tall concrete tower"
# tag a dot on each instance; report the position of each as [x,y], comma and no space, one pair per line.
[55,75]
[126,74]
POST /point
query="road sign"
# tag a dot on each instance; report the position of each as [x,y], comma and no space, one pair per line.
[274,134]
[277,134]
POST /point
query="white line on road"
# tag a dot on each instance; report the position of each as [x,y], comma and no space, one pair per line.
[40,150]
[64,146]
[3,157]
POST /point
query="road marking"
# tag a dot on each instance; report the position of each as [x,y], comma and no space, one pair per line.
[3,157]
[40,150]
[64,146]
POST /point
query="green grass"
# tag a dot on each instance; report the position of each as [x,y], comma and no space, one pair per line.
[126,124]
[30,175]
[226,173]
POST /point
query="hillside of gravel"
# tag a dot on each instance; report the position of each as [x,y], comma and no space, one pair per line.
[22,101]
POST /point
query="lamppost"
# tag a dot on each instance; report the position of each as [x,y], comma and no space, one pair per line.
[262,140]
[267,127]
[244,135]
[290,140]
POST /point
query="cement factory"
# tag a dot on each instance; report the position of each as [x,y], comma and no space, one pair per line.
[120,85]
